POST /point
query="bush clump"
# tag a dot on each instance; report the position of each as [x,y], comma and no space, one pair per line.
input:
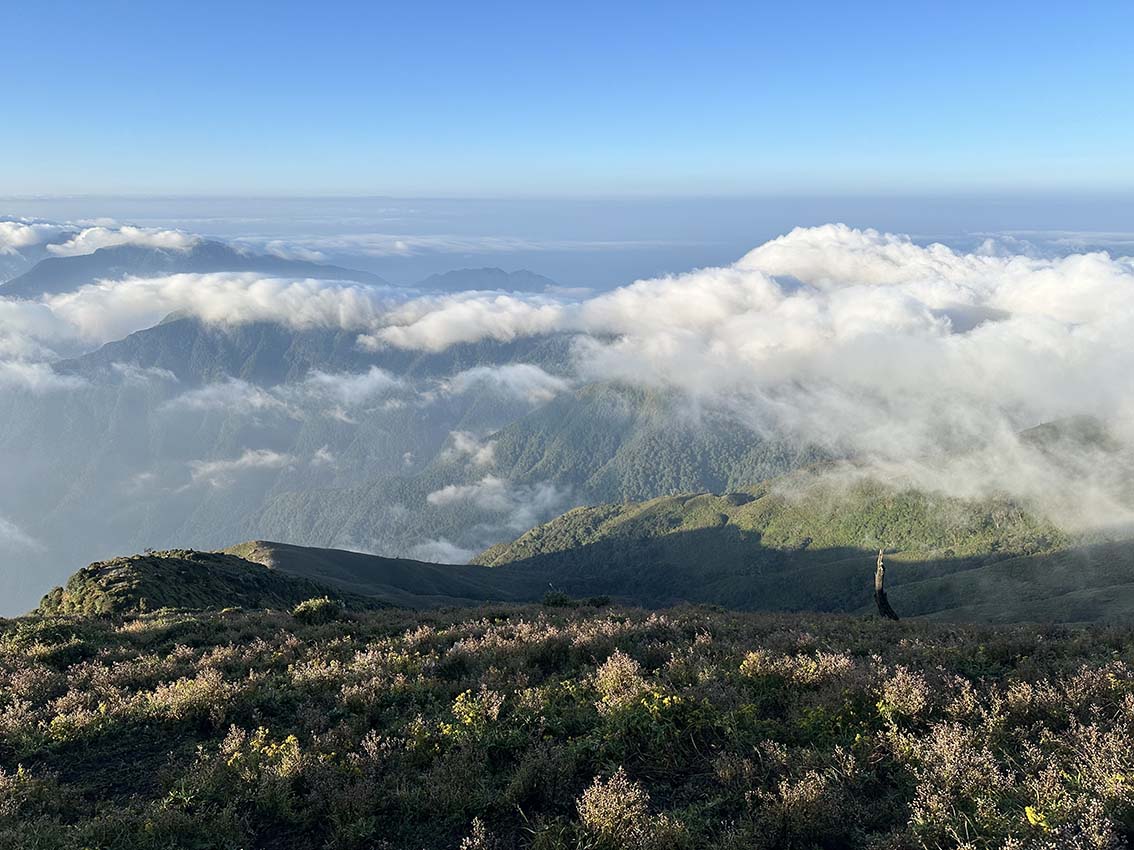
[559,599]
[317,611]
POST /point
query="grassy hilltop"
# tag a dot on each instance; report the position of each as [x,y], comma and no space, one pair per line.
[560,727]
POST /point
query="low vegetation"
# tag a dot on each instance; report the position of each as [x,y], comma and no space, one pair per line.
[560,726]
[181,578]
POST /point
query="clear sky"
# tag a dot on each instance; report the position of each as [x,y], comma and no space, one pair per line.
[566,99]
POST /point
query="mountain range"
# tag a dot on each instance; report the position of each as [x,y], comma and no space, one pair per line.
[55,275]
[462,280]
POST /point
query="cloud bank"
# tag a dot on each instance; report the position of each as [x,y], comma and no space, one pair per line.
[520,506]
[91,239]
[866,343]
[524,381]
[17,234]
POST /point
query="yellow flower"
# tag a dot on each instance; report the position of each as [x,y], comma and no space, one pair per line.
[1036,818]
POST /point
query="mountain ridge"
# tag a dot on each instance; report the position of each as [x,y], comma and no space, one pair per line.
[760,549]
[57,275]
[489,277]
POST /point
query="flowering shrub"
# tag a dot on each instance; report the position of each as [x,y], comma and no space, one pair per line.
[617,812]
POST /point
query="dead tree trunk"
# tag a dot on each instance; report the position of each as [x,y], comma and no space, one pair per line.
[880,592]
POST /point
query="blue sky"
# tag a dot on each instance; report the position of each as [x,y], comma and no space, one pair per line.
[570,99]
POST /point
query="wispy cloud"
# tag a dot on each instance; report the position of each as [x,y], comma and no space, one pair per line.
[441,551]
[865,342]
[464,444]
[351,388]
[525,381]
[233,395]
[14,538]
[223,473]
[520,505]
[142,375]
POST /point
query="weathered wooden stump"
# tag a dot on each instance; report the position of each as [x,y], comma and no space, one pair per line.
[880,599]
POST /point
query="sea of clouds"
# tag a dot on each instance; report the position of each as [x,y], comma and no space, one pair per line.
[920,361]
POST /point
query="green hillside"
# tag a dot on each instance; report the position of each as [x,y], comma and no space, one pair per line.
[807,542]
[811,509]
[614,442]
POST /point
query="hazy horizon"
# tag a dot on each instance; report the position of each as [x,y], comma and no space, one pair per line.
[599,242]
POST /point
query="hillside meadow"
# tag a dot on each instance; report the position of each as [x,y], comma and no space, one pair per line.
[563,725]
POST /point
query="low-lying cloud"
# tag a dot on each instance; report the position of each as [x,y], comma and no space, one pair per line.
[225,472]
[37,378]
[520,506]
[232,395]
[524,381]
[441,551]
[865,343]
[17,234]
[466,445]
[14,539]
[351,388]
[91,239]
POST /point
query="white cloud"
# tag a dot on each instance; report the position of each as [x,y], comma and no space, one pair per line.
[340,414]
[232,395]
[12,537]
[441,551]
[109,310]
[223,473]
[351,388]
[344,389]
[521,380]
[865,342]
[35,377]
[19,233]
[90,239]
[323,457]
[31,330]
[522,505]
[465,444]
[436,323]
[138,375]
